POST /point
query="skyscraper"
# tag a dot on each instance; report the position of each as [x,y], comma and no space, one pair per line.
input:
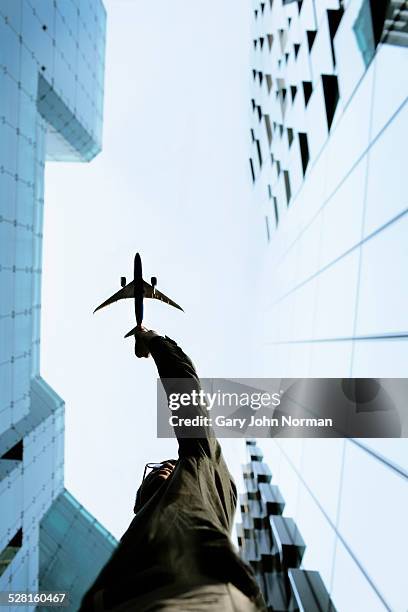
[272,544]
[329,126]
[51,96]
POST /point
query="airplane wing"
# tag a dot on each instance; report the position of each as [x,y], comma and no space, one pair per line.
[158,295]
[126,292]
[129,292]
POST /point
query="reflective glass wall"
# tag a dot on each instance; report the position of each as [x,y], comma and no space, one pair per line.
[51,96]
[329,119]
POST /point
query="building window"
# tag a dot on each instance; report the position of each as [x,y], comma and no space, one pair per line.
[258,148]
[275,206]
[15,452]
[378,13]
[287,186]
[311,35]
[334,17]
[290,136]
[7,555]
[331,96]
[304,151]
[307,91]
[268,128]
[251,164]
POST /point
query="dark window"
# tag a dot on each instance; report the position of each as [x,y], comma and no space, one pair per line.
[290,136]
[331,96]
[278,167]
[293,90]
[259,110]
[304,151]
[378,12]
[268,82]
[7,554]
[270,40]
[275,206]
[15,452]
[258,148]
[251,164]
[261,41]
[268,128]
[311,35]
[307,91]
[334,18]
[296,48]
[287,186]
[252,135]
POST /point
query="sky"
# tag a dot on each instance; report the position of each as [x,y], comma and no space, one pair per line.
[171,182]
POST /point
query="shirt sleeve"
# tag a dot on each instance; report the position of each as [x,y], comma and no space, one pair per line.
[178,375]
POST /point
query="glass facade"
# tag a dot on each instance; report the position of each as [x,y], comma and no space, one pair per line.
[51,96]
[273,545]
[66,532]
[329,118]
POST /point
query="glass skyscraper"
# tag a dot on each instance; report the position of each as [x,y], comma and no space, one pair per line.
[51,96]
[329,118]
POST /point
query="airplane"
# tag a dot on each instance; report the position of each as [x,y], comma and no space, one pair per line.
[138,289]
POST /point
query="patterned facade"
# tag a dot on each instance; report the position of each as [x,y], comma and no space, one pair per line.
[273,545]
[51,96]
[329,119]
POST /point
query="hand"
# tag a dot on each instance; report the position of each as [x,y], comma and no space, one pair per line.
[143,337]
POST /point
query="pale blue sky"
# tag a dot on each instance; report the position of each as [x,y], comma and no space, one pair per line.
[172,182]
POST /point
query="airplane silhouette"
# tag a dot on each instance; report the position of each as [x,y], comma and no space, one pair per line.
[138,289]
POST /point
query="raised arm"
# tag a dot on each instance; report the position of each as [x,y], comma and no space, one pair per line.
[178,375]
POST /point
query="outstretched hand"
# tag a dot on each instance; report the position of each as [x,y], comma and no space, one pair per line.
[143,337]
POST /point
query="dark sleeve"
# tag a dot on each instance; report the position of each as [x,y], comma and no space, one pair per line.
[178,375]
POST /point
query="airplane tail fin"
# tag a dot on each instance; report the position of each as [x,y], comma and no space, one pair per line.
[131,332]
